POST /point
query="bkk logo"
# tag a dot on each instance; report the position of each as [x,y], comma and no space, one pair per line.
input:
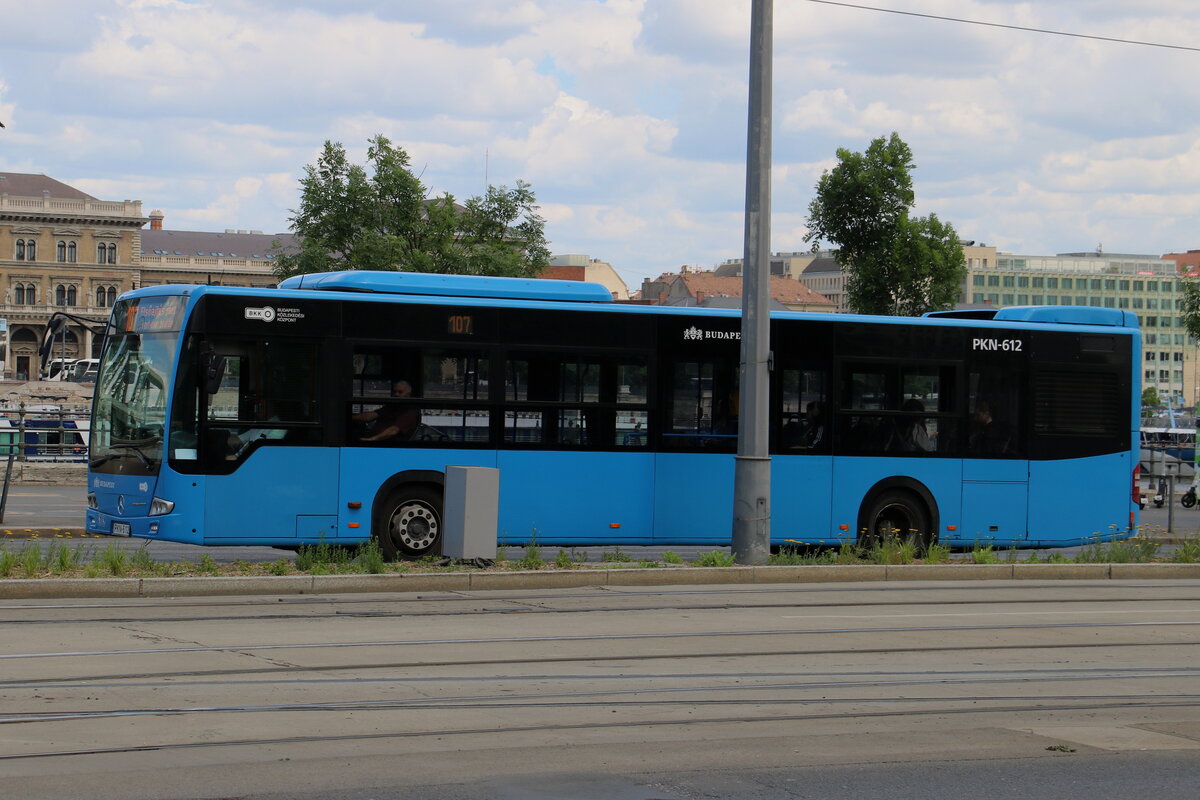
[266,313]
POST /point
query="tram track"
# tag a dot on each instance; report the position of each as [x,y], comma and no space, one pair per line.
[582,727]
[127,678]
[418,675]
[371,608]
[559,699]
[600,638]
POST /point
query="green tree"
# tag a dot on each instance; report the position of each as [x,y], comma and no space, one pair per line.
[1150,397]
[382,217]
[895,264]
[1189,305]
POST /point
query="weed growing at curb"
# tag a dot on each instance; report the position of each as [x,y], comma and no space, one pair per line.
[616,556]
[714,558]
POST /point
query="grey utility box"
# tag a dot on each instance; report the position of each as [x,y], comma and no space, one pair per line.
[471,510]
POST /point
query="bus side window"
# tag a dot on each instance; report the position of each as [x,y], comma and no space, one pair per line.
[993,424]
[704,405]
[864,392]
[803,411]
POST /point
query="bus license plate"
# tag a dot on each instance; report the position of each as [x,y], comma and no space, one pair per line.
[121,529]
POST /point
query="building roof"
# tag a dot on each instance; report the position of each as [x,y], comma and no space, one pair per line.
[823,264]
[703,285]
[221,245]
[21,184]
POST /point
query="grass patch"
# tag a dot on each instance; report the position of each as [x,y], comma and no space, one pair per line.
[615,556]
[715,558]
[1129,551]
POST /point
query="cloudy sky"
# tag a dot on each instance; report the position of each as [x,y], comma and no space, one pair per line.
[628,117]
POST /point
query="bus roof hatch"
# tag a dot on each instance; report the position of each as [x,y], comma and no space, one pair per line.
[379,282]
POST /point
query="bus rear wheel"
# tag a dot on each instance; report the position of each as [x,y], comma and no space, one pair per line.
[899,515]
[411,523]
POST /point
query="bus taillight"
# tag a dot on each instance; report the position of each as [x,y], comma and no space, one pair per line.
[1137,484]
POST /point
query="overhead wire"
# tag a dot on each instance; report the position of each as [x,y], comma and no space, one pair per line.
[1027,29]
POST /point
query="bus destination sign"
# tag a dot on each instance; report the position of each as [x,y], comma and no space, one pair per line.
[153,314]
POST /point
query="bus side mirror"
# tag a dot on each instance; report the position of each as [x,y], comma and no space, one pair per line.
[214,374]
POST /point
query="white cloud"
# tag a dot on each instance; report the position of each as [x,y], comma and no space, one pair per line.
[627,116]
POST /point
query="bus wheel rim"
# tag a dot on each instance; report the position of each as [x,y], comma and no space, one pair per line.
[415,525]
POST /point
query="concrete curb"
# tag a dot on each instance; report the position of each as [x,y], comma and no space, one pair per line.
[57,588]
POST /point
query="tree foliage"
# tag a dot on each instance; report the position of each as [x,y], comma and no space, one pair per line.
[1189,305]
[383,217]
[895,264]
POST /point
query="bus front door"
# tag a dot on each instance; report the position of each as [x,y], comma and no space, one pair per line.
[280,495]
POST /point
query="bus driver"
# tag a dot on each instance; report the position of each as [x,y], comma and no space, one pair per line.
[392,422]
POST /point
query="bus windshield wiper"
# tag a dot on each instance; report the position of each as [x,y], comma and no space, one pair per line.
[132,447]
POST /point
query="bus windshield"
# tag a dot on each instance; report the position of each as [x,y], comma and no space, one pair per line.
[131,390]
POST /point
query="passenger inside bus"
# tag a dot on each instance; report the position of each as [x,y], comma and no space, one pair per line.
[808,433]
[988,435]
[393,422]
[914,435]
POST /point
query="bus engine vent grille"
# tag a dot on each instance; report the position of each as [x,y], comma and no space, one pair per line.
[1077,403]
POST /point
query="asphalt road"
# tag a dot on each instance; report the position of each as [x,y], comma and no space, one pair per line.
[1079,690]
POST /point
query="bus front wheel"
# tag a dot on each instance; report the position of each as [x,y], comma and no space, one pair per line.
[899,515]
[411,523]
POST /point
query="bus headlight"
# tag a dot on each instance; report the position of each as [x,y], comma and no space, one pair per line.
[158,507]
[91,501]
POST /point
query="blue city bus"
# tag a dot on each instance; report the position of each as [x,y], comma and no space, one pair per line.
[328,410]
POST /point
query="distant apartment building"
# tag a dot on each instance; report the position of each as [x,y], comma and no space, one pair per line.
[574,267]
[1146,285]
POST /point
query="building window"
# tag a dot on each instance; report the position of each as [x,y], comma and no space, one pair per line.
[20,253]
[106,296]
[26,250]
[60,251]
[60,295]
[112,254]
[101,253]
[19,294]
[72,296]
[71,250]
